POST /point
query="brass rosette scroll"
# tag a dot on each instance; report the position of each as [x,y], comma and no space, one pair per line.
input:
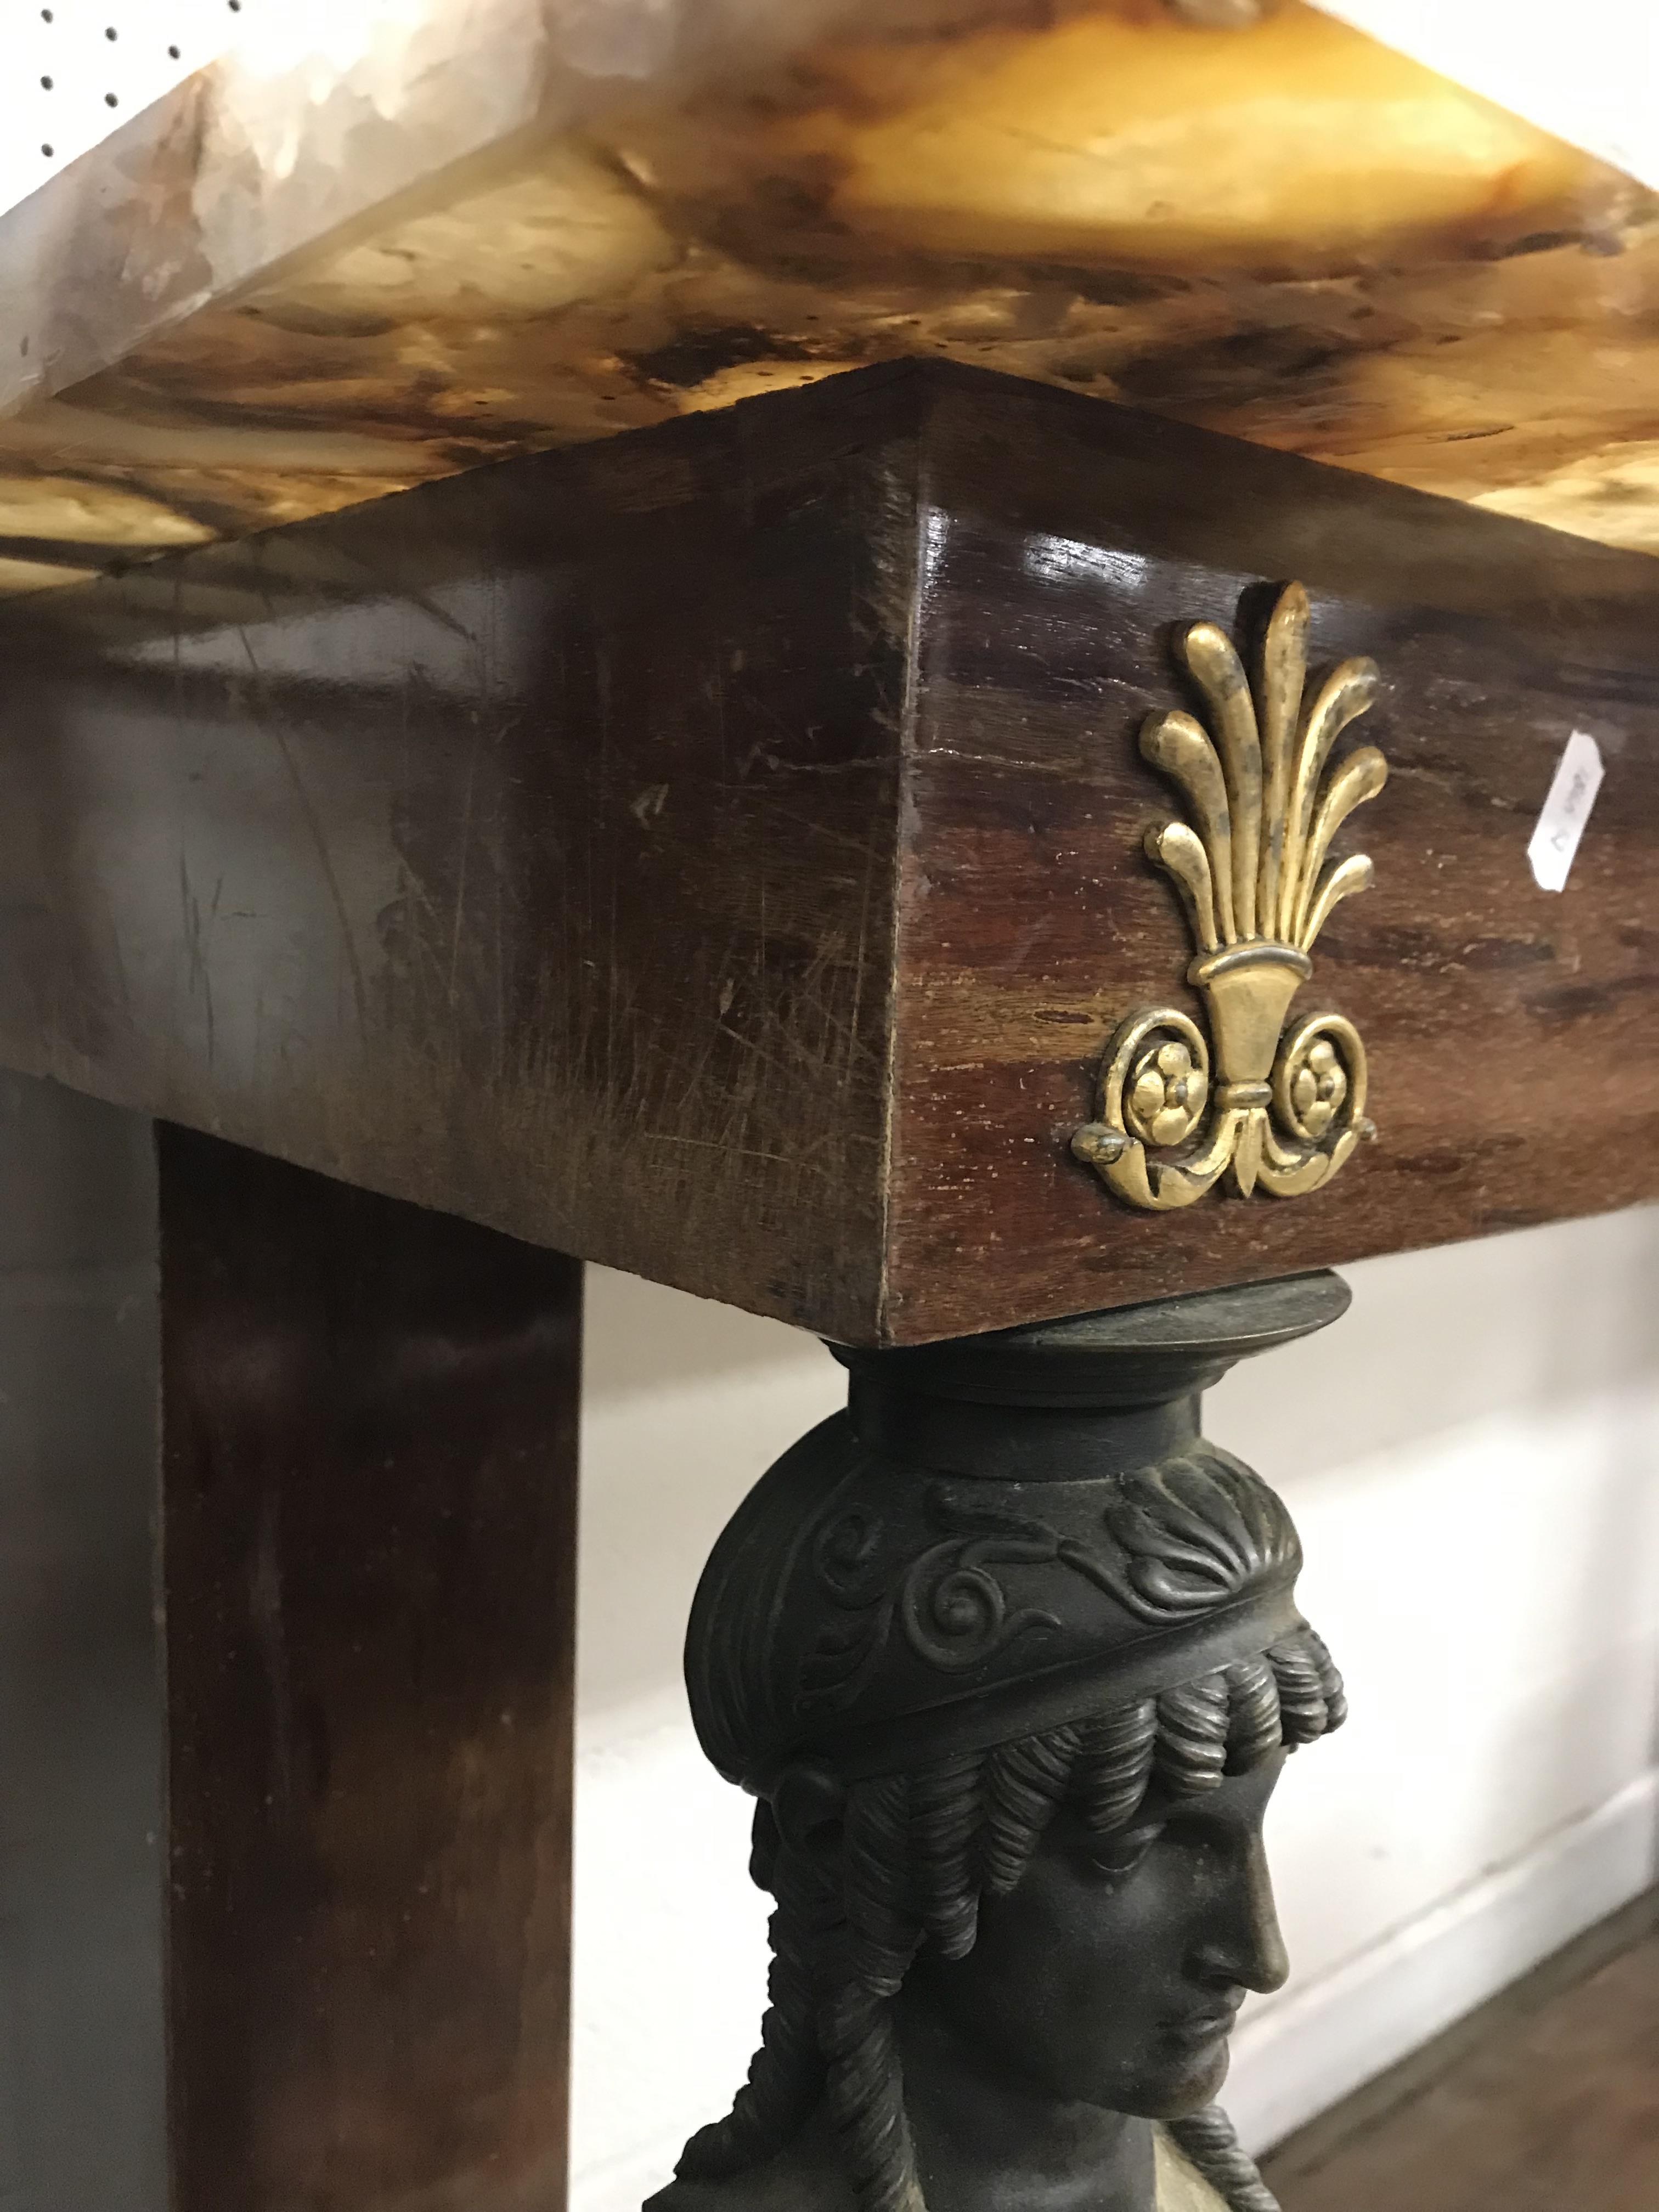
[1251,1100]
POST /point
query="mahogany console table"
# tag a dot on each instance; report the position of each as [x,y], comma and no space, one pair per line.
[717,853]
[720,850]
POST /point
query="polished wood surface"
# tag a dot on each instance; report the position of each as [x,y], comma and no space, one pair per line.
[717,853]
[523,846]
[369,1431]
[1514,1051]
[286,1642]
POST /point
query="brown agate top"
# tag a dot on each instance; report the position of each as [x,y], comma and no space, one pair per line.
[256,304]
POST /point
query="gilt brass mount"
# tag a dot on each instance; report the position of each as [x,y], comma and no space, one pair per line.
[1275,1106]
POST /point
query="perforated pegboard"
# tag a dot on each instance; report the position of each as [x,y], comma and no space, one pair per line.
[74,70]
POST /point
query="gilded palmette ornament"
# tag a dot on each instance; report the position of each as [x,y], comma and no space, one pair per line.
[1263,1104]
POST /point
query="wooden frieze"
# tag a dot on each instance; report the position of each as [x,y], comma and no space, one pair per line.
[721,851]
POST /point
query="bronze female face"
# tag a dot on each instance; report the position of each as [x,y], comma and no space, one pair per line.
[1112,1973]
[1010,1657]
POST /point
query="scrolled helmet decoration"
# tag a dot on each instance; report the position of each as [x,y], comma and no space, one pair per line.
[1176,1540]
[952,1607]
[1276,1109]
[1196,1533]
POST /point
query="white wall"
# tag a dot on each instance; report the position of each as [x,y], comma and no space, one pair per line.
[1473,1458]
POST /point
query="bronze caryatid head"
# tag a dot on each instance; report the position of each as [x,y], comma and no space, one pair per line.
[1011,1658]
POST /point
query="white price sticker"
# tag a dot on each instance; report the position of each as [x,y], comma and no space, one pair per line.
[1567,809]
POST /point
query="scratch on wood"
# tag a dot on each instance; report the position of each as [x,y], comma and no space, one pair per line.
[319,843]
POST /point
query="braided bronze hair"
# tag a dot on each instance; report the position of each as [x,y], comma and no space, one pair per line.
[919,1851]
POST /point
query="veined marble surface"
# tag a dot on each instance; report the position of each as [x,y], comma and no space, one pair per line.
[498,225]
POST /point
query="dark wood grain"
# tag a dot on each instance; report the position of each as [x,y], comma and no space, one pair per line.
[522,847]
[717,851]
[368,1493]
[1512,1032]
[286,1571]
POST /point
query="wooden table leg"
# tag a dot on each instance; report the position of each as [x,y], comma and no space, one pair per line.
[356,1995]
[369,1449]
